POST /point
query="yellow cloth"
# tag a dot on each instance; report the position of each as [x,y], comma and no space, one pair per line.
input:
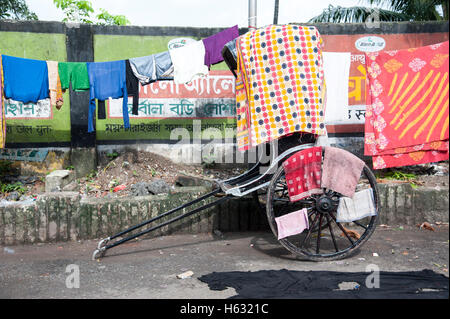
[2,110]
[282,70]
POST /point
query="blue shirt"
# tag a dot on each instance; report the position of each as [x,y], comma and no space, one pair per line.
[107,79]
[25,80]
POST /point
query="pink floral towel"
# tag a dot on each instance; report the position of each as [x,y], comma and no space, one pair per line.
[292,224]
[341,171]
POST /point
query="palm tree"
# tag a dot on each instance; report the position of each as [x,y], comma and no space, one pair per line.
[396,10]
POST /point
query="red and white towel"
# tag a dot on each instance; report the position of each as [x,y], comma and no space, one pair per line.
[303,173]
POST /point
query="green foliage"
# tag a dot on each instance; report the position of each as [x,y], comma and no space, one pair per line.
[16,10]
[112,155]
[106,18]
[76,10]
[393,10]
[82,11]
[400,176]
[14,187]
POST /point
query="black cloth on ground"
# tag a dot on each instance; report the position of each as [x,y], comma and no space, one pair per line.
[289,284]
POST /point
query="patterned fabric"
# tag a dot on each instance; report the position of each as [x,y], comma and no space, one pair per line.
[281,68]
[407,106]
[59,93]
[303,173]
[2,120]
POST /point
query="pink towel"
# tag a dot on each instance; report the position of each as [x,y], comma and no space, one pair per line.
[341,171]
[292,223]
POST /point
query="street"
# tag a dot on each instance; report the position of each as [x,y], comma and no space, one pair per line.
[149,268]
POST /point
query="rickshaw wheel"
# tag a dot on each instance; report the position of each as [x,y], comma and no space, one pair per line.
[326,239]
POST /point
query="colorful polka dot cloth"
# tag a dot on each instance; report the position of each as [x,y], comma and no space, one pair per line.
[279,89]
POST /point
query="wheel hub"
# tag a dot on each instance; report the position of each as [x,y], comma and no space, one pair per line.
[324,204]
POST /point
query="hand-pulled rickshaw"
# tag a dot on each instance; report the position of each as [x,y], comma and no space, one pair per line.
[324,239]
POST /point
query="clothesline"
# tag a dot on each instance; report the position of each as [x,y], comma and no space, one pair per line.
[30,80]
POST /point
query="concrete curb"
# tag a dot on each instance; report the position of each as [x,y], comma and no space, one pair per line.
[65,216]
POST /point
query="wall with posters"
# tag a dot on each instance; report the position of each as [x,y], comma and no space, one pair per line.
[206,103]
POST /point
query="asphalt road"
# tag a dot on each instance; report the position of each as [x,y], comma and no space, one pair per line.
[149,268]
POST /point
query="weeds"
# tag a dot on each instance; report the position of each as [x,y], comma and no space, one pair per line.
[14,187]
[398,175]
[112,155]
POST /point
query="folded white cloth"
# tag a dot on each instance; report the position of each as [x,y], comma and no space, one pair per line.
[336,67]
[361,205]
[188,62]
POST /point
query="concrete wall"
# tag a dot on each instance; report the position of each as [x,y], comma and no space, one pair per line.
[65,216]
[73,42]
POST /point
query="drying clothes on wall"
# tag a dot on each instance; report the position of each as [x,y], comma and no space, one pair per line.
[25,80]
[132,90]
[107,80]
[336,67]
[54,85]
[283,73]
[341,171]
[2,111]
[303,173]
[75,73]
[188,62]
[361,205]
[132,87]
[153,67]
[215,43]
[59,93]
[292,224]
[407,106]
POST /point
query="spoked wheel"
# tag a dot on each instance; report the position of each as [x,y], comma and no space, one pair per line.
[326,239]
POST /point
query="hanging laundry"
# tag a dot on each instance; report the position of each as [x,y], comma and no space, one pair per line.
[53,85]
[215,43]
[25,80]
[292,223]
[336,67]
[303,173]
[283,71]
[242,119]
[152,68]
[361,205]
[132,87]
[188,62]
[107,80]
[2,119]
[407,106]
[341,171]
[132,90]
[75,73]
[59,93]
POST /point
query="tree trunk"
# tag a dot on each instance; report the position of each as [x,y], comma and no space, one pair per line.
[445,8]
